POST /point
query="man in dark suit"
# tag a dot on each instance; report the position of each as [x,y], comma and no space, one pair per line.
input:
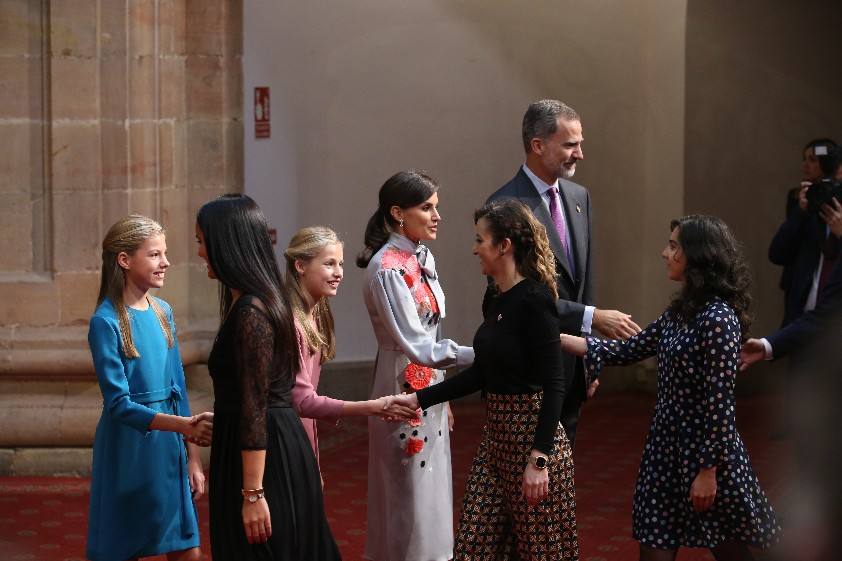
[552,139]
[799,336]
[813,404]
[802,245]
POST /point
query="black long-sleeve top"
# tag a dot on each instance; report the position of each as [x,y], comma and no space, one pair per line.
[248,374]
[517,351]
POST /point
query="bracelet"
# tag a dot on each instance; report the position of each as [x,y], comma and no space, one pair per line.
[253,495]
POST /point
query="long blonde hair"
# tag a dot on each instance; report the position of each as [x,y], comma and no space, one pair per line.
[533,255]
[126,236]
[306,244]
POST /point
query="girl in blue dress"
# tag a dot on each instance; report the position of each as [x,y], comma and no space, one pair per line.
[144,481]
[696,486]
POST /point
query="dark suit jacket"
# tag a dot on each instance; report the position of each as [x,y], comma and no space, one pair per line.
[812,325]
[813,341]
[574,288]
[796,246]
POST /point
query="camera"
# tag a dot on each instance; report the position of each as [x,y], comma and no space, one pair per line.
[821,192]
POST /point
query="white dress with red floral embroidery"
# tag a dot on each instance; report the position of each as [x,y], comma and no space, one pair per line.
[410,491]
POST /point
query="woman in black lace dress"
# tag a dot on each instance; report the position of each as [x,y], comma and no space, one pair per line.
[265,492]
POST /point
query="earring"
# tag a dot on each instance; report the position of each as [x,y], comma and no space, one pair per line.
[400,223]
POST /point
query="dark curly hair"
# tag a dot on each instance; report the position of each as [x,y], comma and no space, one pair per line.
[715,268]
[512,219]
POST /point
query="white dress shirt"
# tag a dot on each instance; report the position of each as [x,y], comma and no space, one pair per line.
[813,295]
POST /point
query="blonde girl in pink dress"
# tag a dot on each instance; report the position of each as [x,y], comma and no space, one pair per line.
[314,271]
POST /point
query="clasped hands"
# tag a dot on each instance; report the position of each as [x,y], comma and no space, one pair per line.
[397,408]
[201,429]
[614,324]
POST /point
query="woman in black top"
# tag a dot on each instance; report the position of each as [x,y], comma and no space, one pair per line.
[520,498]
[265,492]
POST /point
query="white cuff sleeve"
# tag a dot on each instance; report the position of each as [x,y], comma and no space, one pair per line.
[768,347]
[587,319]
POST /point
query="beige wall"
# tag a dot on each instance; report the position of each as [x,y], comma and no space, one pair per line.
[762,80]
[371,87]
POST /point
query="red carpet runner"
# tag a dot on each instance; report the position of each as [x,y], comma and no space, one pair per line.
[44,519]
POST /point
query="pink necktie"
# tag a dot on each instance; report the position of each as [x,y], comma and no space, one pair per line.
[560,227]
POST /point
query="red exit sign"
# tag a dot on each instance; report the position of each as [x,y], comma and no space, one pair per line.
[262,123]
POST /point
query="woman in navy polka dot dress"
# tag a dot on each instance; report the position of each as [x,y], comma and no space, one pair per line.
[696,486]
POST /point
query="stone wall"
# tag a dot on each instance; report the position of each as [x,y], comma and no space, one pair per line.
[107,107]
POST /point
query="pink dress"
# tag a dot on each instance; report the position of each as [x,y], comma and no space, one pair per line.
[307,403]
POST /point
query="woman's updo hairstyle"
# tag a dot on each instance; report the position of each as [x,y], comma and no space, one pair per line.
[405,189]
[512,219]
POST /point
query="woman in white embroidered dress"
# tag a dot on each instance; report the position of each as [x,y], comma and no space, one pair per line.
[410,492]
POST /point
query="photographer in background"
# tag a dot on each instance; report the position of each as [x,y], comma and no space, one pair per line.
[798,337]
[813,503]
[801,244]
[805,246]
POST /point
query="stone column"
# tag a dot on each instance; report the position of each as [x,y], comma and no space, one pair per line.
[113,107]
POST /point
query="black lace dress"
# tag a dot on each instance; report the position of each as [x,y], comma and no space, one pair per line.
[253,411]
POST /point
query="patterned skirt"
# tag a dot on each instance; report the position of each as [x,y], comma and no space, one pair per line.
[496,521]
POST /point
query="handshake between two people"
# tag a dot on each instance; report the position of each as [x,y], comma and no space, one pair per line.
[398,408]
[200,429]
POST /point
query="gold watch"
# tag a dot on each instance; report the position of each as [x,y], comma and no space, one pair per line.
[253,495]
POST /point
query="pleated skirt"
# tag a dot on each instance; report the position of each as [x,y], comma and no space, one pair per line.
[496,521]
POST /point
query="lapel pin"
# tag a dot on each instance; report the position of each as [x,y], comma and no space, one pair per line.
[499,317]
[578,209]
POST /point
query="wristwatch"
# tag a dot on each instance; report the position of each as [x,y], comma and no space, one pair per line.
[253,495]
[540,462]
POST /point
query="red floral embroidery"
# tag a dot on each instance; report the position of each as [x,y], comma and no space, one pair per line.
[406,264]
[413,446]
[403,261]
[417,376]
[416,421]
[424,297]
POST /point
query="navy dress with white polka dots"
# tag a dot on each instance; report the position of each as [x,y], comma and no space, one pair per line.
[693,426]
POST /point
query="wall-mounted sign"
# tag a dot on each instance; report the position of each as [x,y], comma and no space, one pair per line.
[262,125]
